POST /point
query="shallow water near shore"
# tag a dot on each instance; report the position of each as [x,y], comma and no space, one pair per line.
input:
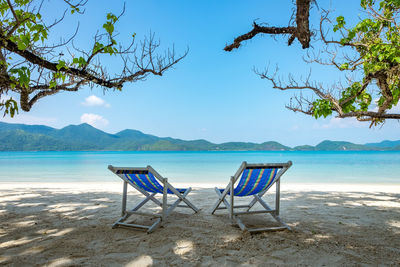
[200,167]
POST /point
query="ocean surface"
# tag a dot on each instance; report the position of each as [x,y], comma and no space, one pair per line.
[200,167]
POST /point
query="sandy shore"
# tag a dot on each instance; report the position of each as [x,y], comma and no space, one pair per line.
[64,224]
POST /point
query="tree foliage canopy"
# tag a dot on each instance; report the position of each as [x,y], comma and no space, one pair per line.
[371,58]
[376,41]
[33,68]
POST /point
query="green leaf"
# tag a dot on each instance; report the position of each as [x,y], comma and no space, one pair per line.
[321,107]
[344,66]
[53,84]
[11,107]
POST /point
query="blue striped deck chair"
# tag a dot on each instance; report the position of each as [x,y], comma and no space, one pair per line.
[150,183]
[256,180]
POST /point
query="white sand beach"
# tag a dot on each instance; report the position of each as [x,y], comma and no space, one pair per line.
[69,224]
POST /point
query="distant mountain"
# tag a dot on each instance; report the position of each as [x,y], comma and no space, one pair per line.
[20,140]
[339,145]
[304,148]
[86,136]
[83,137]
[385,144]
[271,146]
[40,129]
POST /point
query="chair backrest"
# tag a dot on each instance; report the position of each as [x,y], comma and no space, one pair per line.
[255,180]
[143,179]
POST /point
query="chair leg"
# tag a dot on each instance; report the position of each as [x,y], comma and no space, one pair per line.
[164,204]
[183,196]
[254,200]
[141,204]
[176,203]
[232,198]
[221,197]
[234,218]
[155,225]
[277,197]
[252,203]
[240,223]
[243,227]
[273,214]
[124,196]
[126,214]
[123,218]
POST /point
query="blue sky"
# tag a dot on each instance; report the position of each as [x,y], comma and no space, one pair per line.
[211,94]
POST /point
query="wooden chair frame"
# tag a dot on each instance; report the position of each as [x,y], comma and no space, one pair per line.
[166,208]
[234,215]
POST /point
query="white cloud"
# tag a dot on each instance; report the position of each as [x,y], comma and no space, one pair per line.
[93,101]
[295,127]
[335,123]
[395,109]
[351,122]
[94,120]
[29,119]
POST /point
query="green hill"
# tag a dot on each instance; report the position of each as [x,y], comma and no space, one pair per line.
[21,137]
[20,140]
[86,136]
[304,148]
[328,145]
[385,144]
[266,146]
[40,129]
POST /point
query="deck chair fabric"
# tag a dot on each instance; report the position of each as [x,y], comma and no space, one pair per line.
[150,183]
[255,181]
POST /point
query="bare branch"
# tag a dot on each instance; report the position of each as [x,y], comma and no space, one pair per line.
[256,30]
[301,31]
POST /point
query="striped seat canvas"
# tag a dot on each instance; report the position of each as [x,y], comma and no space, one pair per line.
[254,181]
[146,181]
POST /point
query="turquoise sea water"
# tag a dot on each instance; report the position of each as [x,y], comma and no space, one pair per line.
[200,167]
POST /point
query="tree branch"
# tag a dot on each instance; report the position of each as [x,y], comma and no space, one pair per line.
[301,31]
[256,30]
